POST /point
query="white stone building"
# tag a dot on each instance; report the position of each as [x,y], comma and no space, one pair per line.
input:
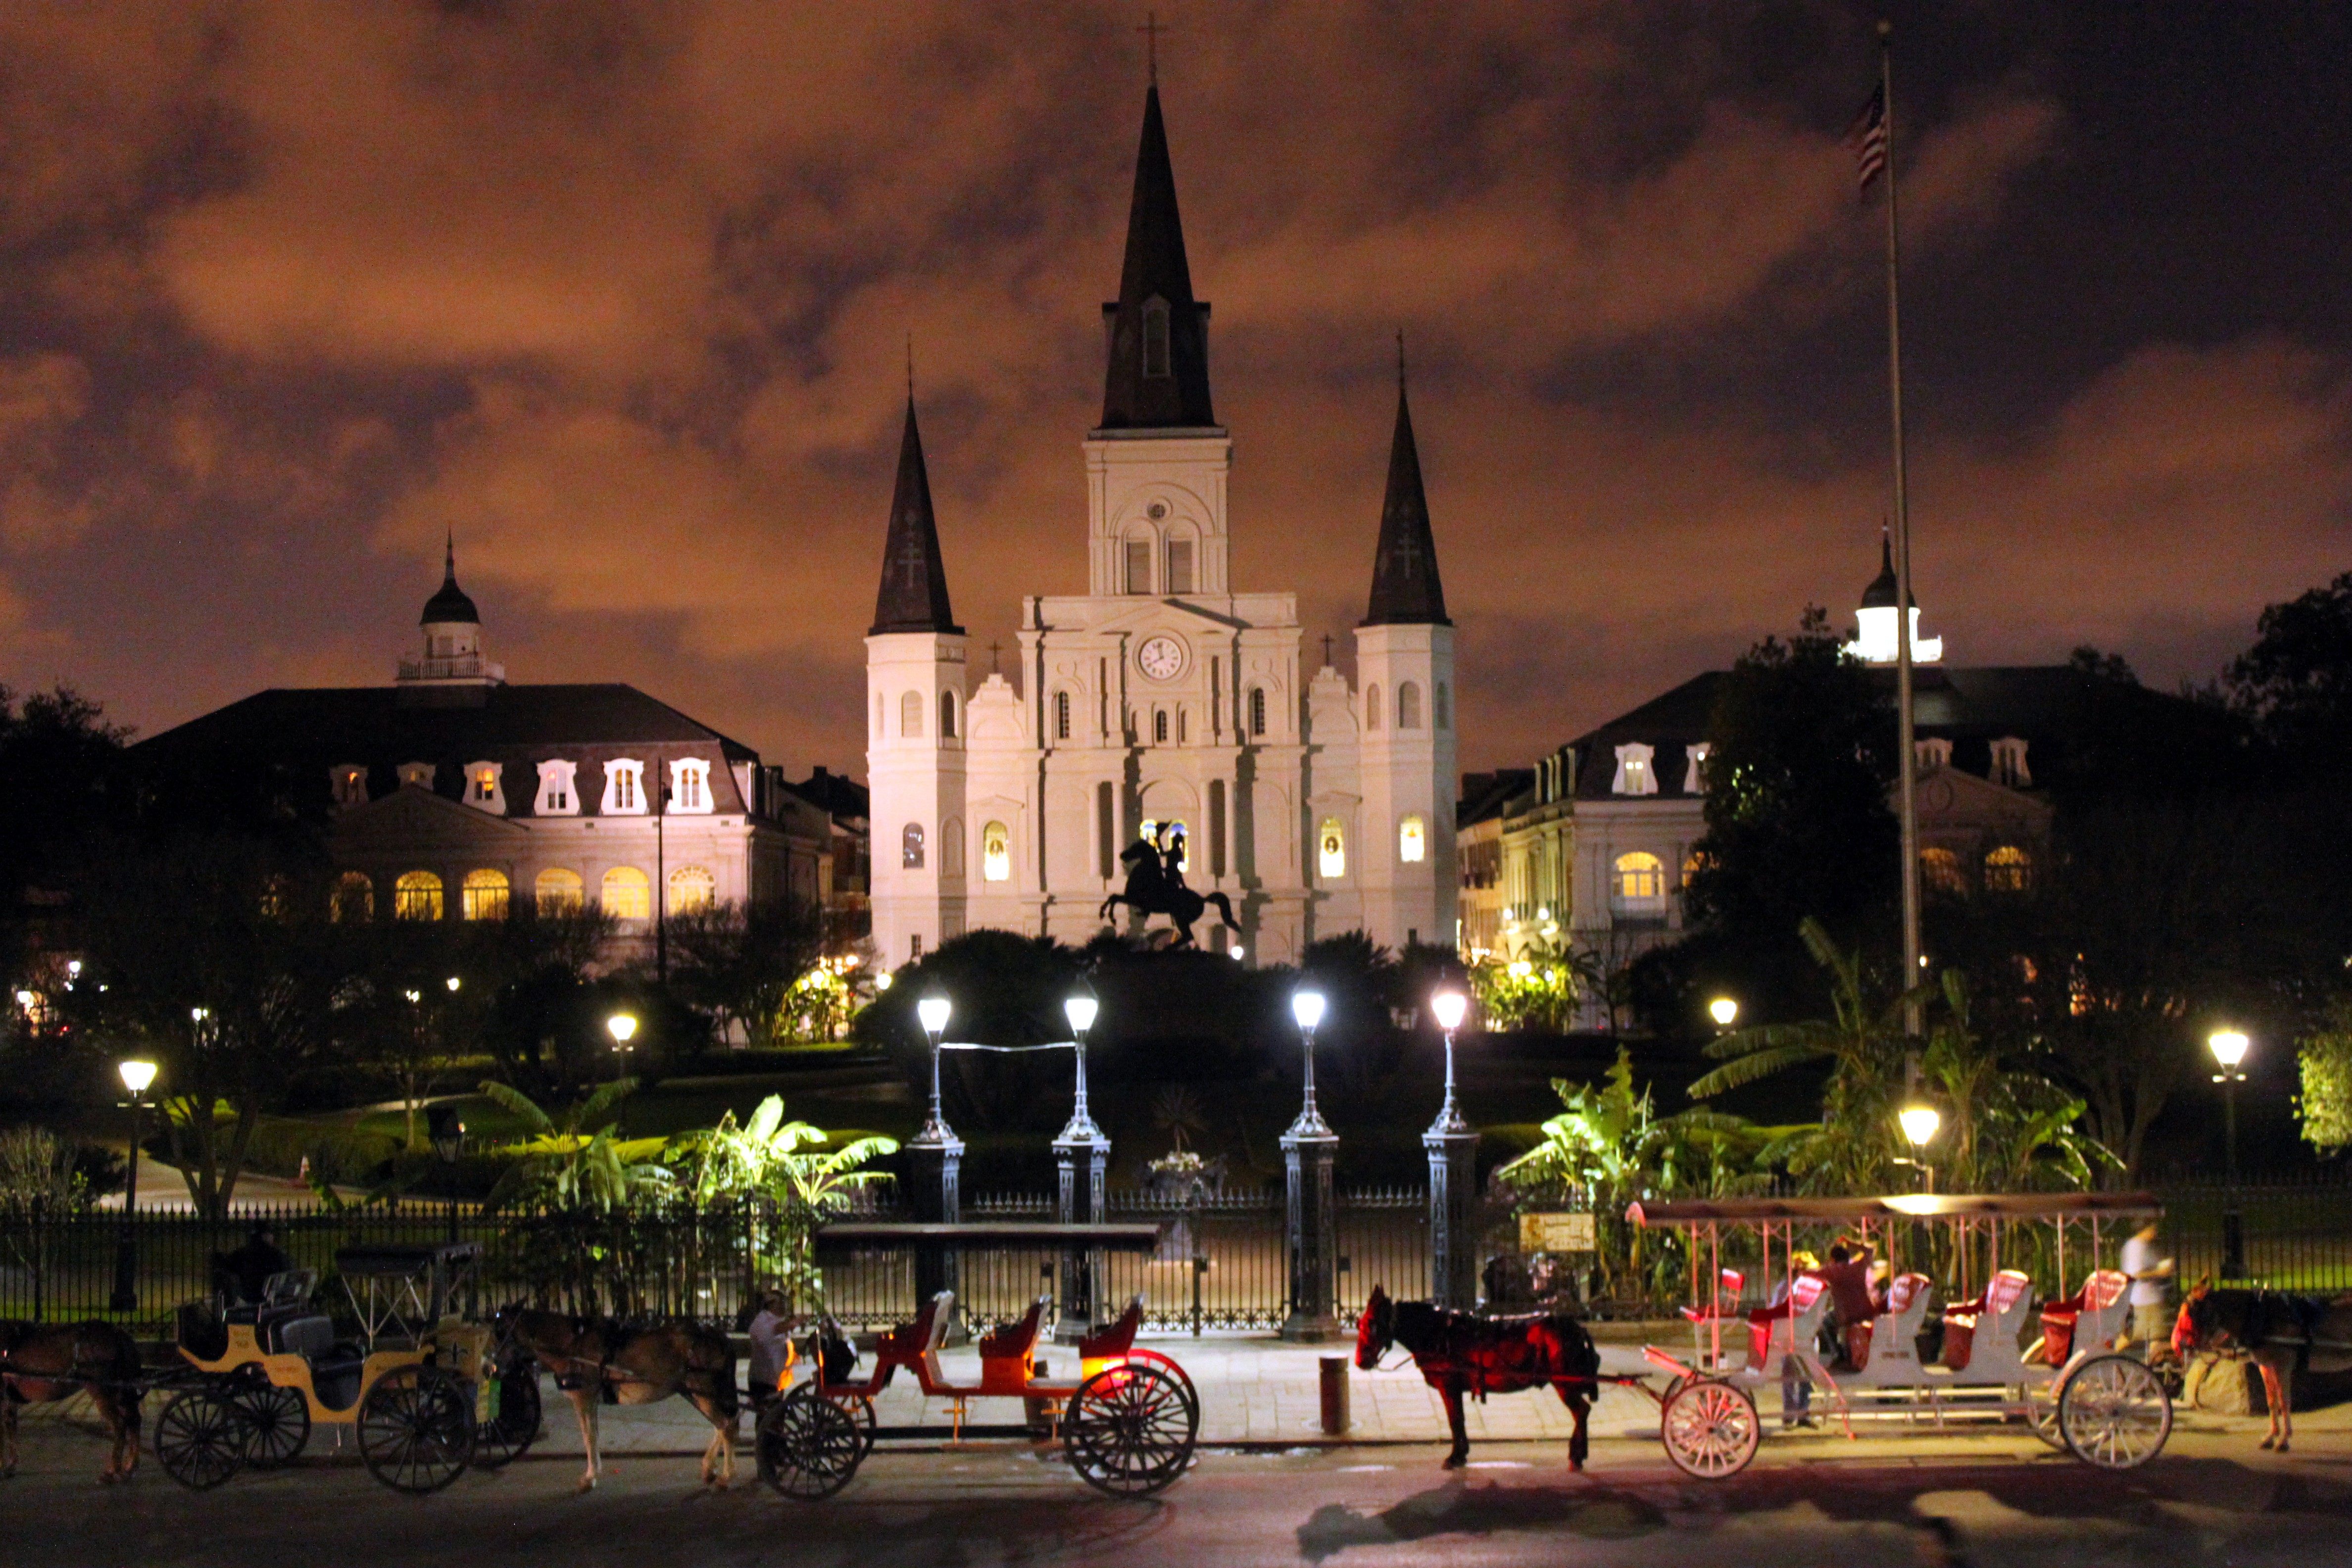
[1164,694]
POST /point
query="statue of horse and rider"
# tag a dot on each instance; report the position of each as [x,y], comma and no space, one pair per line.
[1155,885]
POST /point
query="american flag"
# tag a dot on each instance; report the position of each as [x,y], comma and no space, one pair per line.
[1868,137]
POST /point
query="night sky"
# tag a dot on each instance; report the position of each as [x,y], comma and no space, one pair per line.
[621,294]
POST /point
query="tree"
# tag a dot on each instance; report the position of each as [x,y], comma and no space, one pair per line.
[784,1162]
[61,785]
[2324,1106]
[737,963]
[2295,682]
[571,1160]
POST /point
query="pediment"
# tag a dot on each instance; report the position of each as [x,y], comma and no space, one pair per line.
[1163,615]
[1956,797]
[412,816]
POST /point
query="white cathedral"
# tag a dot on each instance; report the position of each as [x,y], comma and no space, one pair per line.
[1163,695]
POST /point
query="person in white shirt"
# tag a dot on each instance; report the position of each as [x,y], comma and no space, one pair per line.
[2151,1275]
[771,1350]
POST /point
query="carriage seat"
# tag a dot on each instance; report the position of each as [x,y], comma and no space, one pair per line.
[917,1344]
[1732,1282]
[1894,1333]
[2100,1292]
[2003,1301]
[1005,1353]
[1808,1301]
[1116,1338]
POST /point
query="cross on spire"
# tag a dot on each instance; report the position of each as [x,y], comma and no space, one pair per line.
[912,557]
[1151,29]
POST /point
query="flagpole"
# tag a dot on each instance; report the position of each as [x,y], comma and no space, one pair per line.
[1906,760]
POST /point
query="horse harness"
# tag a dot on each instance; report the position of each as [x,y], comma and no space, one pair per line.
[1470,1349]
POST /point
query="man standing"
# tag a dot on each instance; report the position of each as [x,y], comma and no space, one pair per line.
[771,1350]
[2151,1277]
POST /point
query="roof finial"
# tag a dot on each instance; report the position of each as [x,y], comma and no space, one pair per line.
[450,559]
[1151,29]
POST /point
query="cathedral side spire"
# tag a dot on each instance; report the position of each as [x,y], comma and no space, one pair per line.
[1159,372]
[914,594]
[1405,586]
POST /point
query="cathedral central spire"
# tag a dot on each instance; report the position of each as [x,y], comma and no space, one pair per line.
[1406,590]
[913,597]
[1159,375]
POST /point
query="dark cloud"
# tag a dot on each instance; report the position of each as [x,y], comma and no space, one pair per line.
[621,292]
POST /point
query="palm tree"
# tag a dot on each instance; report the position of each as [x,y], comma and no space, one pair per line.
[785,1164]
[571,1161]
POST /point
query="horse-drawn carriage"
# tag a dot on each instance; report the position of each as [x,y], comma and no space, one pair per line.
[1991,1352]
[1128,1422]
[420,1389]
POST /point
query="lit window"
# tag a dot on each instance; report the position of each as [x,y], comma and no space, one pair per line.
[627,894]
[995,853]
[1930,755]
[1155,337]
[1633,775]
[1694,757]
[416,895]
[1159,726]
[911,847]
[559,892]
[354,898]
[350,783]
[1373,706]
[691,888]
[689,785]
[482,790]
[910,715]
[1637,883]
[1412,840]
[1179,565]
[555,795]
[1061,715]
[1257,710]
[947,716]
[1331,851]
[484,896]
[2009,869]
[1408,705]
[418,774]
[625,787]
[1138,566]
[2009,764]
[1940,869]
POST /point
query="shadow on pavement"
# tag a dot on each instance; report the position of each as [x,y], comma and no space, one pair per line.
[1597,1513]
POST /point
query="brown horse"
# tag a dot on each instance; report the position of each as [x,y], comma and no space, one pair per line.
[41,1364]
[593,1357]
[2283,1335]
[1458,1354]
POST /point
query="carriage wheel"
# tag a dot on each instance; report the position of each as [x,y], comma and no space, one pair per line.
[416,1429]
[2114,1413]
[2040,1401]
[200,1438]
[860,1411]
[1130,1429]
[1710,1430]
[1168,1365]
[277,1422]
[808,1447]
[512,1425]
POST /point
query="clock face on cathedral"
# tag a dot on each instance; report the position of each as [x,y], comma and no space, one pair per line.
[1160,657]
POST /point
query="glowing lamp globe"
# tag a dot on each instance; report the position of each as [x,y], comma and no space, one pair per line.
[1307,1006]
[621,1026]
[1449,1007]
[1920,1123]
[882,979]
[2228,1046]
[1723,1011]
[934,1010]
[136,1075]
[1081,1011]
[453,983]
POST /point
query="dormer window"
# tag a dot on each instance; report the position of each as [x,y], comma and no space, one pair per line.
[482,791]
[349,781]
[2009,764]
[1634,773]
[418,774]
[1155,338]
[1695,767]
[689,785]
[1930,755]
[625,787]
[556,796]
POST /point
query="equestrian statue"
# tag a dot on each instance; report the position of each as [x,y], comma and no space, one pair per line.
[1155,885]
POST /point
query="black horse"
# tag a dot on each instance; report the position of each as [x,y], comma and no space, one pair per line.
[2283,1335]
[1458,1354]
[1155,886]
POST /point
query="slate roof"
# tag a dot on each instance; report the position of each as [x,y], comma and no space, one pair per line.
[1406,589]
[1489,795]
[450,603]
[1885,588]
[914,593]
[1155,265]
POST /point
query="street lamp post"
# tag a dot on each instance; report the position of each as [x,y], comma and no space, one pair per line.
[935,1160]
[1451,1145]
[448,1137]
[622,1027]
[1081,1142]
[1309,1151]
[2228,1047]
[136,1076]
[1921,1124]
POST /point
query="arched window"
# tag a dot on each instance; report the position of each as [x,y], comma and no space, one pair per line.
[559,892]
[995,853]
[1061,715]
[627,894]
[910,715]
[1408,705]
[951,847]
[484,895]
[911,847]
[691,888]
[1257,710]
[416,895]
[947,716]
[1637,884]
[354,898]
[1373,706]
[1412,840]
[1332,850]
[1159,726]
[1940,869]
[2008,870]
[1155,337]
[1443,719]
